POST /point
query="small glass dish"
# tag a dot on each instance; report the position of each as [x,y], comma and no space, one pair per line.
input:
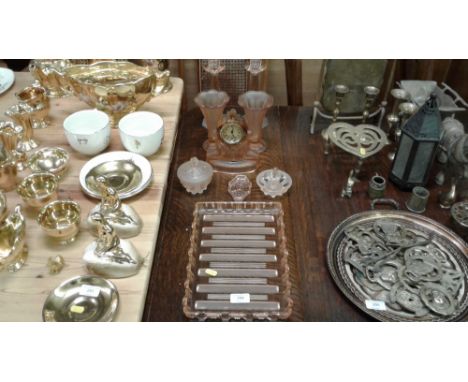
[49,159]
[239,187]
[82,299]
[195,175]
[274,182]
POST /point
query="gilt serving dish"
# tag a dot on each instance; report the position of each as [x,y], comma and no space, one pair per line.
[128,173]
[115,87]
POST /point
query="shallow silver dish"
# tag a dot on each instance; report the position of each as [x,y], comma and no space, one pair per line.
[128,173]
[82,299]
[355,236]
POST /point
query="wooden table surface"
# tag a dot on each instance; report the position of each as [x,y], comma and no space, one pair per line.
[313,207]
[23,293]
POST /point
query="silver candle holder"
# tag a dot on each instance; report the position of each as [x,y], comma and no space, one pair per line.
[393,126]
[340,92]
[371,93]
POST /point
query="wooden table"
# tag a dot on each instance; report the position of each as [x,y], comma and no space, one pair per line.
[23,293]
[313,207]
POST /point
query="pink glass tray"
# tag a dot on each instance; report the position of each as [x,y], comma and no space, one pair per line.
[238,263]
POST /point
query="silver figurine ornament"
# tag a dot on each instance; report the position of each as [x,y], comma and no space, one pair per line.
[110,256]
[123,218]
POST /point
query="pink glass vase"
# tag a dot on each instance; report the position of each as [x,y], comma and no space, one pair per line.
[212,104]
[255,105]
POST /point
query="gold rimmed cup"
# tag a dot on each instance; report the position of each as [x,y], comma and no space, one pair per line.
[60,220]
[38,189]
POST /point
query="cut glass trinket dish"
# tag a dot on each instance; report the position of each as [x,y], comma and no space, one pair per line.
[274,182]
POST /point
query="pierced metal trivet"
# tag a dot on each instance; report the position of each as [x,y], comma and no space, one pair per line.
[362,141]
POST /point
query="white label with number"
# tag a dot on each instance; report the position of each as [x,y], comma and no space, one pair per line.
[239,298]
[89,290]
[376,305]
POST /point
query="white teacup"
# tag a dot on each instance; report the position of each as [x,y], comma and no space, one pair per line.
[142,132]
[88,131]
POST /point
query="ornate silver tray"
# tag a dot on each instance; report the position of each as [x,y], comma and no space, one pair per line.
[400,266]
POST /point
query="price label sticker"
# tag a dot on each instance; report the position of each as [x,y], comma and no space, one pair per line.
[210,272]
[77,309]
[239,298]
[89,290]
[362,151]
[376,305]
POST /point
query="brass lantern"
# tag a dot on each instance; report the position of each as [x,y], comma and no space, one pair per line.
[417,147]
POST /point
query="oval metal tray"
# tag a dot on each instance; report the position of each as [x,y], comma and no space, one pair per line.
[400,266]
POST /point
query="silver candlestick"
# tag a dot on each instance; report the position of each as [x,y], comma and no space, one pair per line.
[406,109]
[393,120]
[400,96]
[371,95]
[340,92]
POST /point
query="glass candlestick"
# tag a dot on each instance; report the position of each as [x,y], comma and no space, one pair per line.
[214,67]
[212,104]
[371,95]
[340,92]
[255,67]
[24,115]
[10,135]
[255,105]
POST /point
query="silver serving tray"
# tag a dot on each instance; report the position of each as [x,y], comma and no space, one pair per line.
[128,173]
[354,283]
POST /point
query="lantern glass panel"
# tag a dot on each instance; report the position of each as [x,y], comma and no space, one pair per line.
[422,158]
[402,156]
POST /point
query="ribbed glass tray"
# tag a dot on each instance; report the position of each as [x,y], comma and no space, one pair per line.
[237,263]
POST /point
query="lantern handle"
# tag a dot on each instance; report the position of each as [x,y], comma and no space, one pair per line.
[385,201]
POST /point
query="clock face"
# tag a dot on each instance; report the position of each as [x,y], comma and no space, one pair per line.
[232,133]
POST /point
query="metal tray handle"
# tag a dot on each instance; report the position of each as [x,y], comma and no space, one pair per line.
[389,202]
